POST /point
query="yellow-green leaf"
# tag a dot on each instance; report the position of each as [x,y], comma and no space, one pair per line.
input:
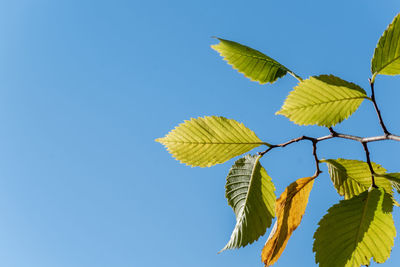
[290,208]
[210,140]
[253,64]
[393,177]
[250,193]
[386,59]
[351,177]
[322,100]
[356,230]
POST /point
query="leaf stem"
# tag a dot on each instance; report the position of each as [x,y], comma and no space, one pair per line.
[295,76]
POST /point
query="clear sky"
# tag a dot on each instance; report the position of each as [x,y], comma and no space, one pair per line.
[86,87]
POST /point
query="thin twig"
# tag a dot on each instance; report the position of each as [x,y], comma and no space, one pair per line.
[363,140]
[378,112]
[369,164]
[294,140]
[334,134]
[317,170]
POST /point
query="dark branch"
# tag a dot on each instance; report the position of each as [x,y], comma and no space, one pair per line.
[317,170]
[295,140]
[369,164]
[334,134]
[378,112]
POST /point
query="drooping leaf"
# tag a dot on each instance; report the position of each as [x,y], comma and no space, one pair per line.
[210,140]
[386,59]
[356,230]
[322,100]
[253,64]
[250,193]
[393,177]
[290,208]
[351,177]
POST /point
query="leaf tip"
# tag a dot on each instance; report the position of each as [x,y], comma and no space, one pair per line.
[159,140]
[216,46]
[222,250]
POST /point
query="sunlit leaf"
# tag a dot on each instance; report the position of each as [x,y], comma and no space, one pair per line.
[210,140]
[253,64]
[290,208]
[250,193]
[386,59]
[351,177]
[356,230]
[322,100]
[393,177]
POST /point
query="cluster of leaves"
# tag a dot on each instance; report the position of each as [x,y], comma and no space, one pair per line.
[360,226]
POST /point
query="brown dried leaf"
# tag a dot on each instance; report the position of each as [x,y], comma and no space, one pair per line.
[290,207]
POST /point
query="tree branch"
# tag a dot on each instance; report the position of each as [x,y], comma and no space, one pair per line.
[363,140]
[334,134]
[295,140]
[369,164]
[378,112]
[317,170]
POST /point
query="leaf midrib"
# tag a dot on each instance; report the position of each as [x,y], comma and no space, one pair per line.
[290,197]
[268,60]
[327,102]
[359,228]
[212,143]
[349,178]
[387,64]
[256,57]
[250,184]
[240,216]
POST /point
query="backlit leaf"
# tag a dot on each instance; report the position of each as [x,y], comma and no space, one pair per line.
[290,208]
[351,177]
[250,193]
[386,59]
[253,64]
[394,178]
[356,230]
[210,140]
[322,100]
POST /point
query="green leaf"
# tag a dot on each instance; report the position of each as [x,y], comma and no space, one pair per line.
[322,100]
[397,187]
[290,208]
[253,64]
[250,193]
[386,59]
[393,177]
[356,230]
[352,177]
[210,140]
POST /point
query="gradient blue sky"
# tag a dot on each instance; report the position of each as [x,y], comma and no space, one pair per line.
[86,87]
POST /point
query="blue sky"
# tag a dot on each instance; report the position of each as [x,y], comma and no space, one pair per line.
[86,87]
